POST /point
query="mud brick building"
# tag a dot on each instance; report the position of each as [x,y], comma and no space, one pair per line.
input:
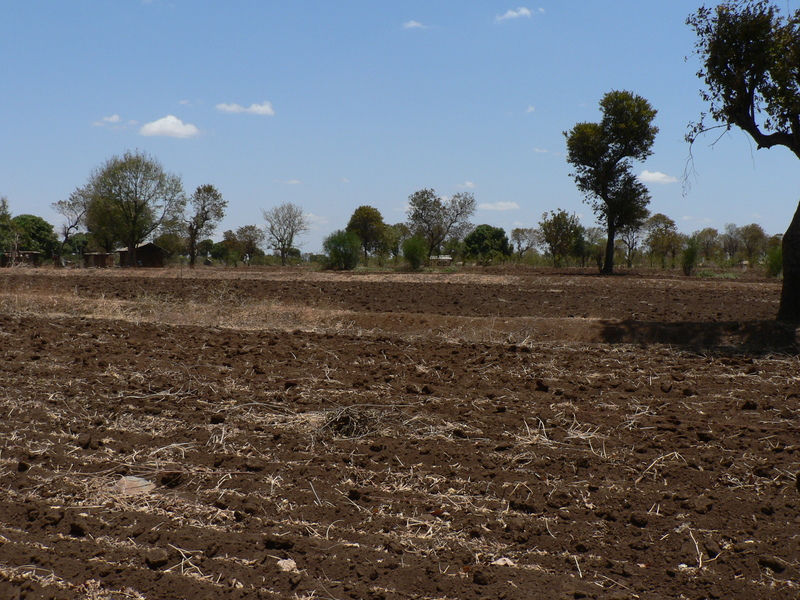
[147,255]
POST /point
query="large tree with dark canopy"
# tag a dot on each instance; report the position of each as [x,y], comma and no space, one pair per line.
[367,223]
[601,154]
[130,197]
[750,55]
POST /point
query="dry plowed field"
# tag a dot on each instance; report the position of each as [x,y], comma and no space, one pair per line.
[289,434]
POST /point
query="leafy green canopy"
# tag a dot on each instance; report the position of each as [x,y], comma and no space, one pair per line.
[130,197]
[750,55]
[343,248]
[487,243]
[602,155]
[367,223]
[751,67]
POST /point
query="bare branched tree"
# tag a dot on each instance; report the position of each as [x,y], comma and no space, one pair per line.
[285,223]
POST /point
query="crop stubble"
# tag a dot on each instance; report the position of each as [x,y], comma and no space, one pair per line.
[449,436]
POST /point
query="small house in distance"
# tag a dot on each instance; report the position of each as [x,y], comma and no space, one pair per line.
[147,255]
[26,258]
[98,260]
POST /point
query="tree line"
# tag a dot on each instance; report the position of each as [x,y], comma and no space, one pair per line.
[435,226]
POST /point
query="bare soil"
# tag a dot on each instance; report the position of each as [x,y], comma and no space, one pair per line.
[290,434]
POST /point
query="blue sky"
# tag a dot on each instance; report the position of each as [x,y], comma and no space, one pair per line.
[332,105]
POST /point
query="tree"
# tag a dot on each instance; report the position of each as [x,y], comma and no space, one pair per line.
[750,56]
[589,245]
[131,196]
[559,233]
[754,240]
[708,242]
[102,224]
[249,239]
[415,249]
[204,248]
[394,236]
[342,248]
[367,223]
[6,226]
[284,224]
[209,209]
[691,252]
[436,218]
[631,236]
[601,154]
[663,239]
[486,244]
[219,251]
[731,240]
[524,239]
[73,209]
[35,234]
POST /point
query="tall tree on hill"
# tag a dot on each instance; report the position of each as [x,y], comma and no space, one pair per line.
[601,154]
[209,208]
[750,55]
[131,196]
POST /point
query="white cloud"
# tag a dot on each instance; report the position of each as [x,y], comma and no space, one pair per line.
[292,182]
[107,121]
[265,108]
[541,151]
[656,177]
[467,185]
[530,109]
[316,221]
[516,14]
[169,126]
[499,206]
[413,25]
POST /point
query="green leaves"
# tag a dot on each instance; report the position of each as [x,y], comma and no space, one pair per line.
[602,155]
[750,57]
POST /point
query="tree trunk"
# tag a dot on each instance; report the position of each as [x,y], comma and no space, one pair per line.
[789,310]
[608,265]
[192,250]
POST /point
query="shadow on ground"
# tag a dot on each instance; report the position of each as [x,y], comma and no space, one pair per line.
[753,336]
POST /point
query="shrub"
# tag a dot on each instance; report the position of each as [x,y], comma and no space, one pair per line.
[774,261]
[343,249]
[415,251]
[690,255]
